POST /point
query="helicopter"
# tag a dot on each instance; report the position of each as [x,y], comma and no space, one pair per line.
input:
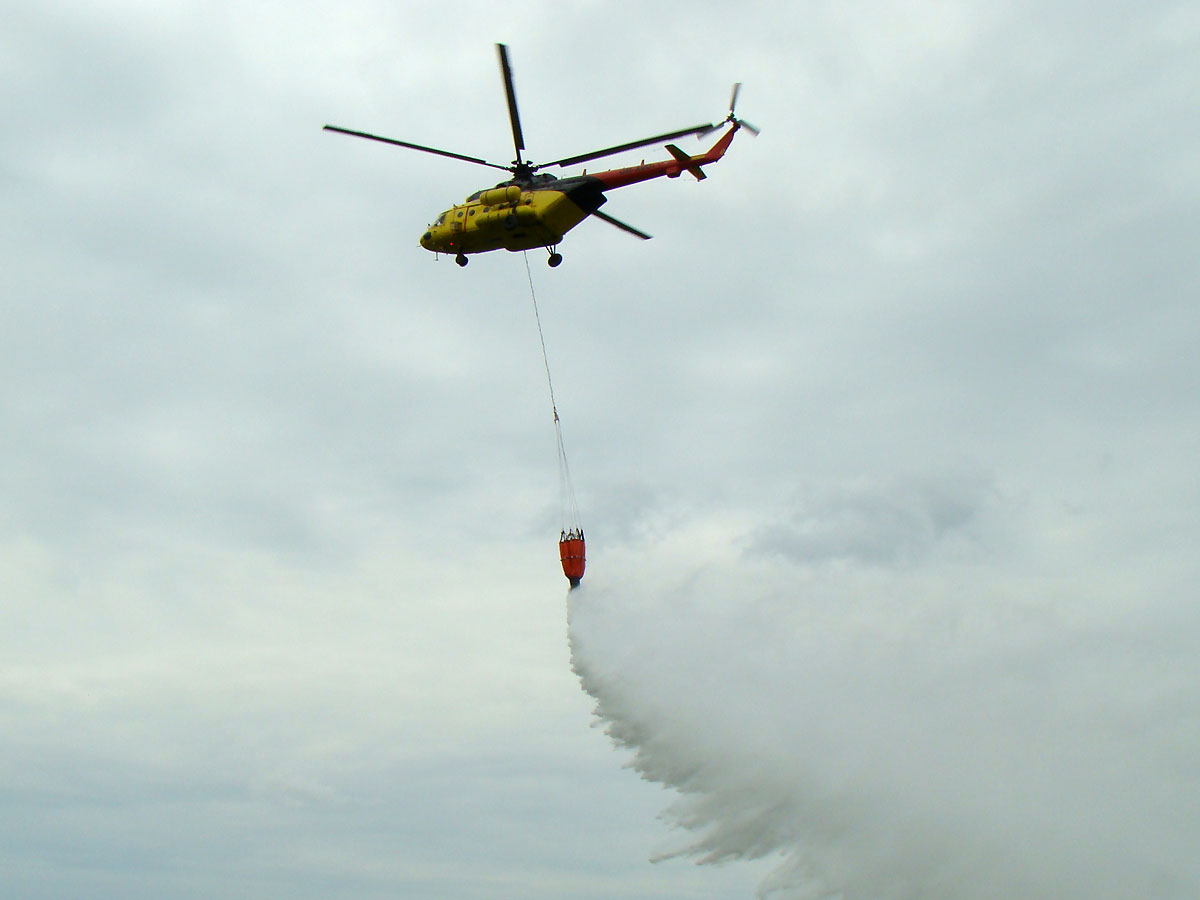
[536,209]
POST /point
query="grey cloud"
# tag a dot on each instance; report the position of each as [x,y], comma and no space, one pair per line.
[890,524]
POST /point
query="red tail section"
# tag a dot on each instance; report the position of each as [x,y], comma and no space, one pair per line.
[718,149]
[672,168]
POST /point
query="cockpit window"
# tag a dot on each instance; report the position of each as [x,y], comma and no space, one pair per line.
[440,220]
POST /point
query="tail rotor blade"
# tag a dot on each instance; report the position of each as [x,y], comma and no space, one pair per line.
[737,89]
[511,93]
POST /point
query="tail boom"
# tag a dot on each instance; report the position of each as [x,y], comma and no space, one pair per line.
[672,168]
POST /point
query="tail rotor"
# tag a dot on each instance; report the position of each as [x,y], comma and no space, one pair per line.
[731,118]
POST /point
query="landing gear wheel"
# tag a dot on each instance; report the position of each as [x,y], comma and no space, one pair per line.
[461,259]
[554,260]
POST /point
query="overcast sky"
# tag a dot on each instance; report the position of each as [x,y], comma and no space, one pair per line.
[280,607]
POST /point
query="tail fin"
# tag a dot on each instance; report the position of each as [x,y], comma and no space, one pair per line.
[690,163]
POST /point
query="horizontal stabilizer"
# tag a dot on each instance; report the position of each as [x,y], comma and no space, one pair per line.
[688,162]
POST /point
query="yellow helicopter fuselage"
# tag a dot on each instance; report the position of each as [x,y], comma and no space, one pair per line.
[513,217]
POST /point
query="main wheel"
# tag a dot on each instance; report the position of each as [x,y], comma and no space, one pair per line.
[461,259]
[554,260]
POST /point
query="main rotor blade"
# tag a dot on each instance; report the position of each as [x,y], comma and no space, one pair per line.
[611,221]
[657,139]
[375,137]
[511,93]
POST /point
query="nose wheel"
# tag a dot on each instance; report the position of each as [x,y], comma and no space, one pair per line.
[461,259]
[555,259]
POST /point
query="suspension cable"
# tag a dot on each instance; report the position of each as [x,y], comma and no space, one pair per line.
[566,488]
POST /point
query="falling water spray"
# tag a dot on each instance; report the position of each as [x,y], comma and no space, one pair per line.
[896,735]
